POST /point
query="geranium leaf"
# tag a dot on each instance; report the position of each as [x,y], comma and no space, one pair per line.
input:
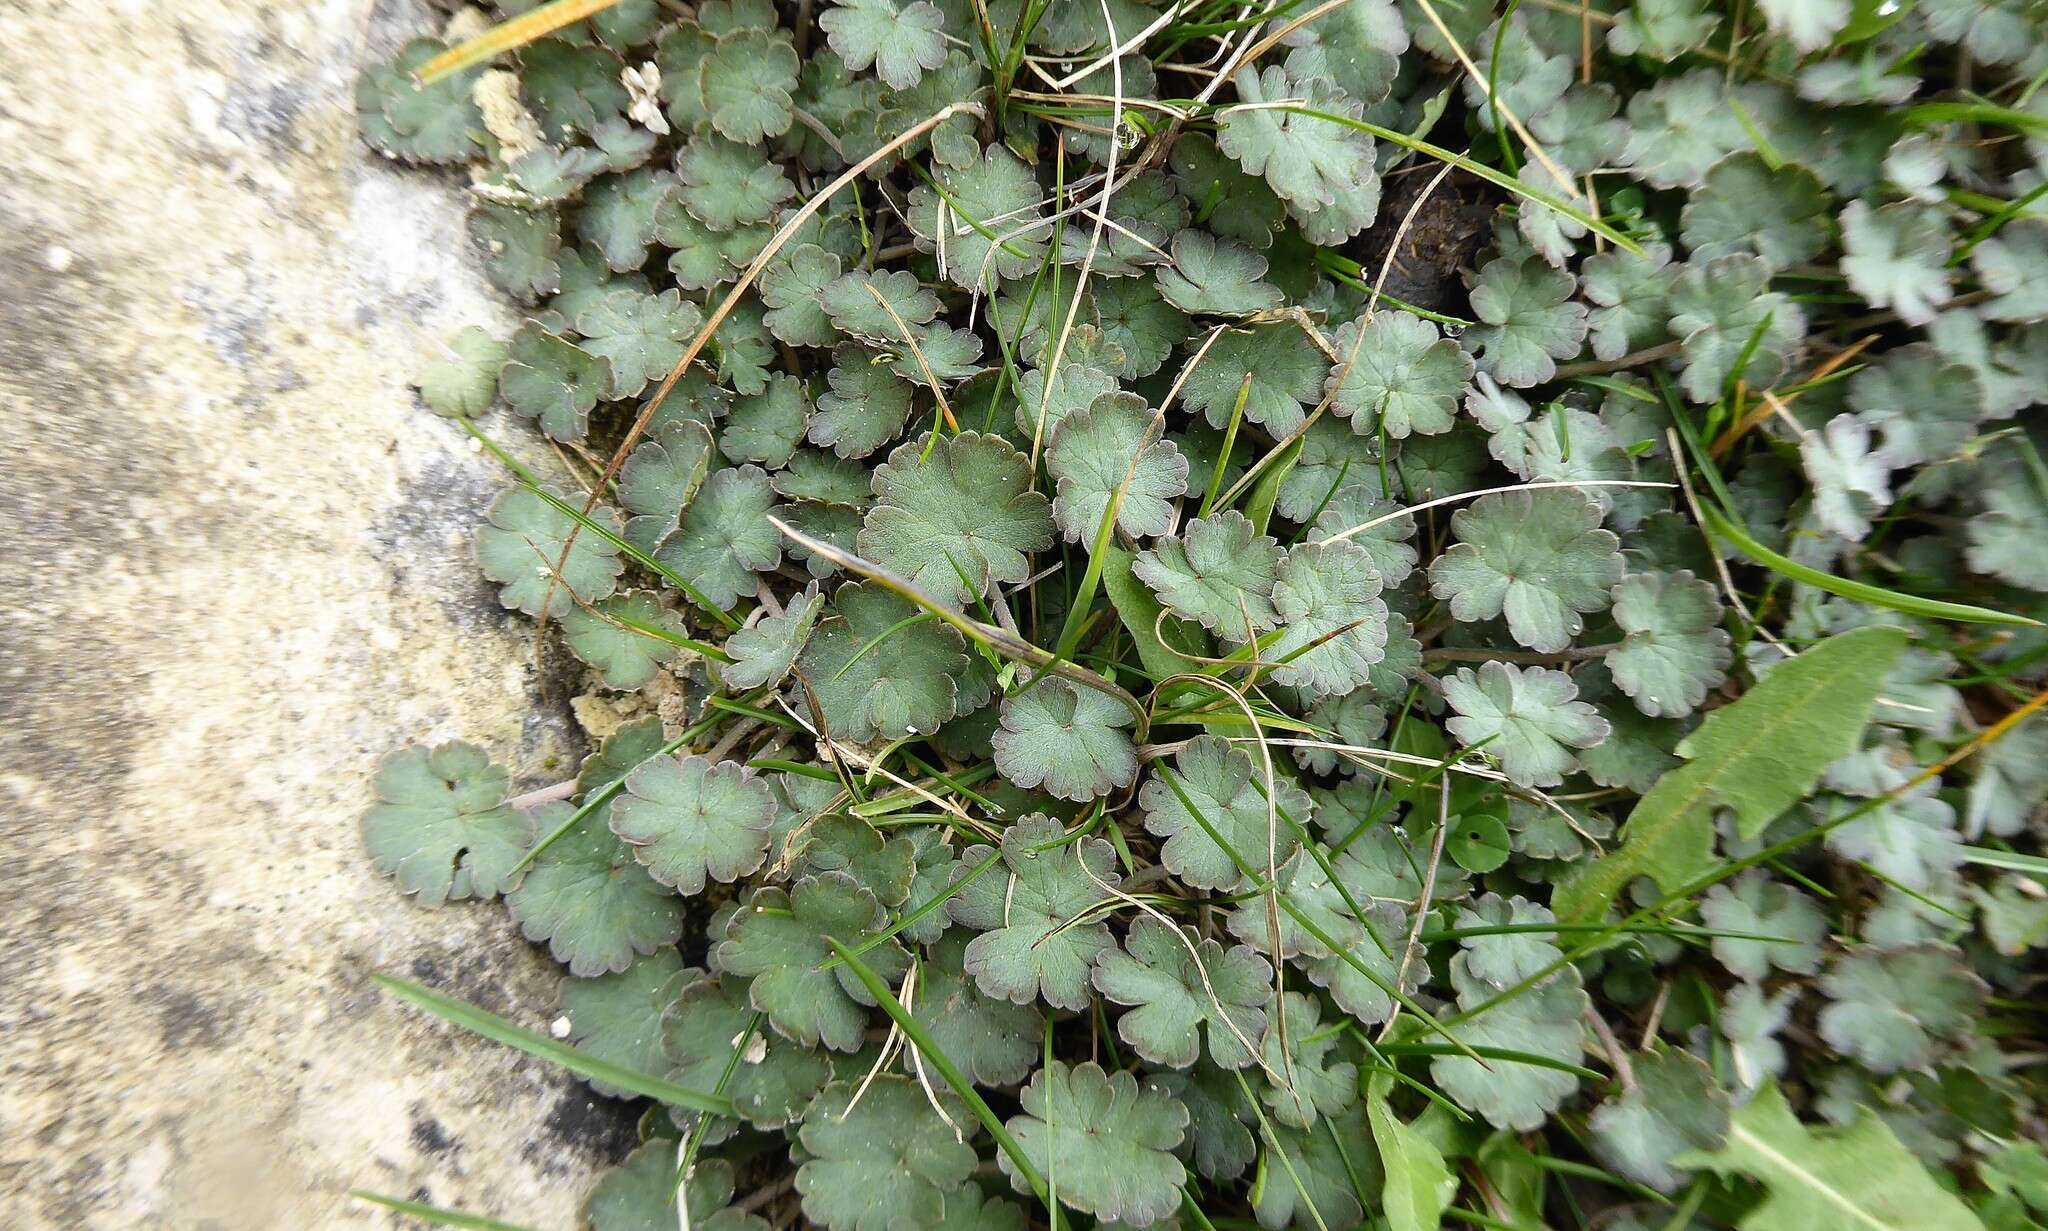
[524,539]
[441,825]
[596,908]
[777,939]
[902,41]
[1114,449]
[1527,321]
[1219,572]
[1538,557]
[617,1017]
[725,539]
[1403,376]
[1030,944]
[1674,651]
[611,636]
[688,819]
[554,381]
[1067,739]
[1215,276]
[1224,787]
[1530,718]
[1182,993]
[887,1159]
[902,683]
[956,519]
[460,376]
[1106,1137]
[764,653]
[994,1041]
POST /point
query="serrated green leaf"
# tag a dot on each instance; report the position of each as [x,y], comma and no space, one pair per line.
[617,1017]
[887,1159]
[994,1041]
[746,80]
[1114,448]
[1180,994]
[1403,376]
[554,381]
[611,636]
[1527,321]
[956,519]
[1031,945]
[901,41]
[902,683]
[777,939]
[524,539]
[1537,557]
[460,376]
[1530,718]
[1757,757]
[1066,739]
[584,896]
[1224,784]
[1854,1179]
[1673,1106]
[1106,1139]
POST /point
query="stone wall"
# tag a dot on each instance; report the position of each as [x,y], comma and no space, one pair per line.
[236,573]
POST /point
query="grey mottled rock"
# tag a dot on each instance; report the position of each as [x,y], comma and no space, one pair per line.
[235,573]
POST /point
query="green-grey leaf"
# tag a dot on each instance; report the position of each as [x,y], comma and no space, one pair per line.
[522,541]
[1114,446]
[1067,739]
[1227,790]
[460,377]
[554,381]
[1030,944]
[441,826]
[1182,992]
[608,635]
[887,1159]
[594,906]
[777,939]
[617,1017]
[688,819]
[1106,1137]
[956,519]
[1757,757]
[1537,557]
[904,679]
[1403,375]
[1529,717]
[763,653]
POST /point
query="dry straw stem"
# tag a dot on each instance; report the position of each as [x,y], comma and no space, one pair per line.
[510,36]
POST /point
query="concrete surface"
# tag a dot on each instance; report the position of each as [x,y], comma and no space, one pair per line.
[235,574]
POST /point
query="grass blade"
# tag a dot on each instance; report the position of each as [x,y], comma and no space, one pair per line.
[918,1037]
[1491,175]
[440,1216]
[1863,592]
[498,1030]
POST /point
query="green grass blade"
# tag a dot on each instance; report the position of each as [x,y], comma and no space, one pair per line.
[943,1063]
[498,1030]
[1491,175]
[591,524]
[2010,861]
[1863,592]
[438,1215]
